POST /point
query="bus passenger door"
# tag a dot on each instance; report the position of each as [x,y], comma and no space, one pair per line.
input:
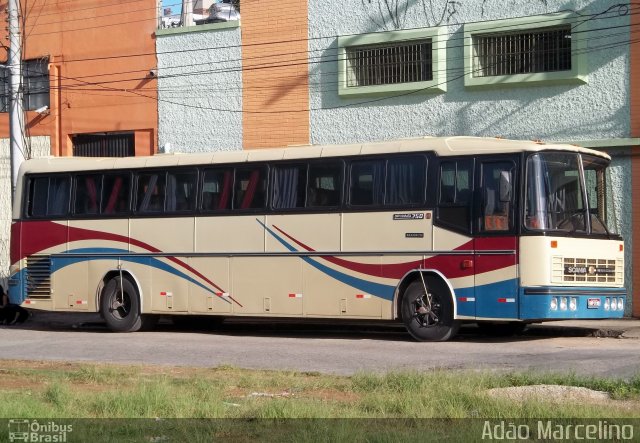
[495,243]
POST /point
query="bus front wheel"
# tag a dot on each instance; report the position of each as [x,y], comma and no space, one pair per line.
[120,306]
[428,315]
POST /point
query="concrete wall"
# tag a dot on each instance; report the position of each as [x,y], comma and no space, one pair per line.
[200,90]
[599,109]
[619,209]
[40,146]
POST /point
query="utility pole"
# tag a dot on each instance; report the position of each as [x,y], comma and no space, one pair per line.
[16,114]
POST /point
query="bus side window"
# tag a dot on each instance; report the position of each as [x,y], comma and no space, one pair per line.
[454,201]
[151,193]
[59,189]
[367,183]
[115,194]
[289,186]
[216,190]
[325,184]
[38,197]
[250,188]
[181,191]
[405,181]
[87,195]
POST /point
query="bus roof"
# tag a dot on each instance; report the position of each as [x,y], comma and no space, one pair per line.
[442,146]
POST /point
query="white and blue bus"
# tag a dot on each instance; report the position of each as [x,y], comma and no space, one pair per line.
[431,232]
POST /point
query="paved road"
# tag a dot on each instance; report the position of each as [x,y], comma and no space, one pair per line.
[328,349]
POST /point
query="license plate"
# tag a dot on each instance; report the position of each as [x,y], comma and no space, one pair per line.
[593,303]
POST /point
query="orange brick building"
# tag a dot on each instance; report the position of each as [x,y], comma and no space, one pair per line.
[95,58]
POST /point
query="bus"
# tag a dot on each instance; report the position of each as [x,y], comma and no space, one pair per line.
[432,232]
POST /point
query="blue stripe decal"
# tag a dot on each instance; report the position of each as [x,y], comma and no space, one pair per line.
[379,290]
[58,263]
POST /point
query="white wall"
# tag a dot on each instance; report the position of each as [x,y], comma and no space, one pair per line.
[597,110]
[200,91]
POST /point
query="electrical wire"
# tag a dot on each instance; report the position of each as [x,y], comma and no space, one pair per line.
[349,105]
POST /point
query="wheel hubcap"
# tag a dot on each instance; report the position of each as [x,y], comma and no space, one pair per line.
[426,311]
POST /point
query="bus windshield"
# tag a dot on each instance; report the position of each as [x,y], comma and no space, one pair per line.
[555,197]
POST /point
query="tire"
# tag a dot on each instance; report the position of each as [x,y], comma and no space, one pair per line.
[429,321]
[501,329]
[120,306]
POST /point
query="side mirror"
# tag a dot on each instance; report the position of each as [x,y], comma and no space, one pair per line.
[505,186]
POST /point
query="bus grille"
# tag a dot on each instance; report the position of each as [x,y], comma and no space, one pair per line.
[39,278]
[593,271]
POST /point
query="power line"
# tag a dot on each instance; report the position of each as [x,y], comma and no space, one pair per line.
[349,105]
[277,42]
[311,60]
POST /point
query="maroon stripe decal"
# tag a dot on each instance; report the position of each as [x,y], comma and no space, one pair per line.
[41,235]
[450,265]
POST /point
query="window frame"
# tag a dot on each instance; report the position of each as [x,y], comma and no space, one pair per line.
[5,85]
[514,211]
[438,84]
[470,228]
[577,75]
[26,198]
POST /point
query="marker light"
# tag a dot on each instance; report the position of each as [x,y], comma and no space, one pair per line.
[573,304]
[607,304]
[554,304]
[621,304]
[563,304]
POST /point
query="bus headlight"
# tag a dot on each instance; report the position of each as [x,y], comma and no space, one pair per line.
[554,304]
[607,304]
[621,304]
[573,304]
[563,304]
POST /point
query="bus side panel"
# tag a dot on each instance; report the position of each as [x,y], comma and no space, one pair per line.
[387,231]
[78,275]
[210,293]
[267,286]
[306,234]
[496,278]
[453,257]
[173,239]
[40,240]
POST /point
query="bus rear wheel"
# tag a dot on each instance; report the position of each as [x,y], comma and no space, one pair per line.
[120,306]
[428,315]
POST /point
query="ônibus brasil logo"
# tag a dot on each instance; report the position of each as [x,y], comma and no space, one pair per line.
[32,431]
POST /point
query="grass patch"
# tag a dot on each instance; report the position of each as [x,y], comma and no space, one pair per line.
[32,390]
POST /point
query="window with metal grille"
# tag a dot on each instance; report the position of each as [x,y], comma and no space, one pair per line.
[388,64]
[120,144]
[35,84]
[526,52]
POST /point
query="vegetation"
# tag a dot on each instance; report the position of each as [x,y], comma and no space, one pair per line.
[54,390]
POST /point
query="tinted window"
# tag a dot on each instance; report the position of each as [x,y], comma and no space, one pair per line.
[88,193]
[48,197]
[181,191]
[289,186]
[405,181]
[217,190]
[250,188]
[325,184]
[116,191]
[151,192]
[454,202]
[367,183]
